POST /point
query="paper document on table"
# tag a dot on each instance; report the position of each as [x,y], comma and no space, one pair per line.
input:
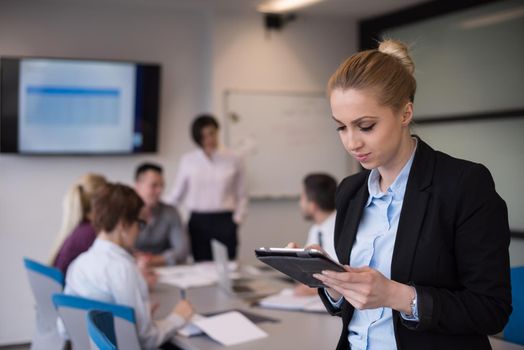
[230,328]
[190,329]
[286,300]
[187,276]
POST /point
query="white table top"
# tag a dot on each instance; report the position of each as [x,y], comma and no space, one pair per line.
[499,344]
[295,330]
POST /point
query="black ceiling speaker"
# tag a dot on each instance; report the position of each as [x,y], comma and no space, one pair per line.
[275,21]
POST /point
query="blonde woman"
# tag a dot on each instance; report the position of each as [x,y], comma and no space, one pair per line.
[424,236]
[76,234]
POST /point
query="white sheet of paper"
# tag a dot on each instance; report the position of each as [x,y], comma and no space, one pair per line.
[190,329]
[230,328]
[188,276]
[286,300]
[315,306]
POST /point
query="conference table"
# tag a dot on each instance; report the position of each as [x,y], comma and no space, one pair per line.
[499,344]
[288,329]
[291,329]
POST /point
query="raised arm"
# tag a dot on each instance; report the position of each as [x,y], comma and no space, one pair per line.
[180,187]
[241,192]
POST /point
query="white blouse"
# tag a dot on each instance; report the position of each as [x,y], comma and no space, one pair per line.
[108,273]
[210,185]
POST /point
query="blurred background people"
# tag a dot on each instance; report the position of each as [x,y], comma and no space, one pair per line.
[107,271]
[77,233]
[211,183]
[163,241]
[317,203]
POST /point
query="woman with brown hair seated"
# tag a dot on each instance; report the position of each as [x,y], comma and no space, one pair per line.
[108,272]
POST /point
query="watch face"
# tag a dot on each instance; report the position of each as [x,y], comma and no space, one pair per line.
[414,308]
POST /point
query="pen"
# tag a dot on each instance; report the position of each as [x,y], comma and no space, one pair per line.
[183,294]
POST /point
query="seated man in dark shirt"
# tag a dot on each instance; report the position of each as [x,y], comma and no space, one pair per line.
[163,241]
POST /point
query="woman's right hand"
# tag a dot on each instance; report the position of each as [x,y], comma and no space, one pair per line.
[292,245]
[184,309]
[332,293]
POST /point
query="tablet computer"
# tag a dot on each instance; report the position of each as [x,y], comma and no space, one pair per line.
[299,264]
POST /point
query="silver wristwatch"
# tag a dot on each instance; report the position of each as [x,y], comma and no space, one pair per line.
[413,304]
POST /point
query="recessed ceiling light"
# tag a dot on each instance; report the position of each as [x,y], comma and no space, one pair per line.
[282,6]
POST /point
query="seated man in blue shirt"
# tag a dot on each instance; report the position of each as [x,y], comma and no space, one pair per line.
[163,241]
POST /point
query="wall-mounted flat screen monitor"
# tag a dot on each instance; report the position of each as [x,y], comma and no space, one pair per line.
[75,106]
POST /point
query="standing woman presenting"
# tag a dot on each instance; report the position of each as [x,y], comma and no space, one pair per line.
[425,235]
[211,182]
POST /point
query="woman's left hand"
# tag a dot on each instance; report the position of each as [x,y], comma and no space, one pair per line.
[367,288]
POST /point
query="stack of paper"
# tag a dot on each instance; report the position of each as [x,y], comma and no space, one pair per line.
[187,276]
[288,301]
[190,329]
[230,328]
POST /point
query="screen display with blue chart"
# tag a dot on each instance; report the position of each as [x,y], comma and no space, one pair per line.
[59,106]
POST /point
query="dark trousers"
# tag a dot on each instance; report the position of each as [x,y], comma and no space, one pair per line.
[203,227]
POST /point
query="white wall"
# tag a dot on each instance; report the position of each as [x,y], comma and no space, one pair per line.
[31,188]
[201,55]
[300,58]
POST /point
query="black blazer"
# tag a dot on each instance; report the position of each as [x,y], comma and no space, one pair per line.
[452,245]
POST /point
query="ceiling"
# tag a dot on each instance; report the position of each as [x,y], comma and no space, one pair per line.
[357,9]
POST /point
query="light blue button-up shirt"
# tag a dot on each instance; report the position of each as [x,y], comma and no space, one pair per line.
[374,243]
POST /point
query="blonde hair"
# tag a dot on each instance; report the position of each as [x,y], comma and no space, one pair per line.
[76,206]
[386,71]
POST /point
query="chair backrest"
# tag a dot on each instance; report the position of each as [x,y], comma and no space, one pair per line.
[73,311]
[101,330]
[514,331]
[45,281]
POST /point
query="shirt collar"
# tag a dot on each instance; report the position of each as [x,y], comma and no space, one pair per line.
[156,211]
[397,188]
[324,227]
[214,156]
[203,154]
[105,245]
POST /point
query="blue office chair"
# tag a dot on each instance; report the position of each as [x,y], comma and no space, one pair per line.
[101,330]
[45,281]
[73,311]
[514,331]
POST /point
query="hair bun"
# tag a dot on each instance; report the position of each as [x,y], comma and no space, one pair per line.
[398,50]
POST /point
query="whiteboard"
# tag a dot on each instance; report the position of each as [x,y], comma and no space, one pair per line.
[283,136]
